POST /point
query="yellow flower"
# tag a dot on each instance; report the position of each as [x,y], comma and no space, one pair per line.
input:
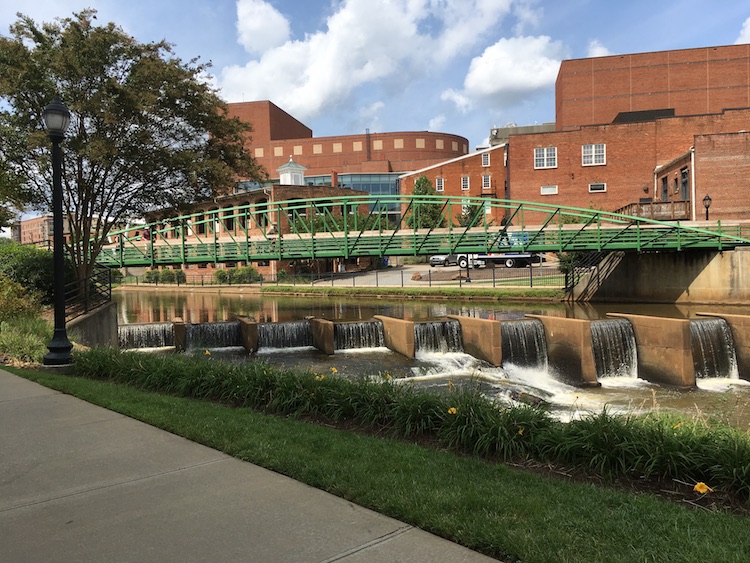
[678,425]
[452,410]
[702,488]
[207,353]
[334,370]
[450,384]
[388,376]
[520,431]
[320,377]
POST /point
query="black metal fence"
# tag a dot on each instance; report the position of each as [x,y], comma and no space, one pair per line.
[84,296]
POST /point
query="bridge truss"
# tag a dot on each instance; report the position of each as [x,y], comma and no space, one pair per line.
[405,225]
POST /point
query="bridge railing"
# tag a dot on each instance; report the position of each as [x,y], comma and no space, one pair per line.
[402,226]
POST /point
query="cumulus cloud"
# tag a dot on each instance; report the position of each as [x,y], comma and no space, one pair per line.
[508,71]
[744,33]
[260,26]
[436,123]
[382,44]
[596,49]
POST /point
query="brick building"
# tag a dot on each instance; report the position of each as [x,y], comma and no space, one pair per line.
[705,80]
[633,136]
[277,136]
[479,174]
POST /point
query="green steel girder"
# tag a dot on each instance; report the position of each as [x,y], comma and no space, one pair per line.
[184,239]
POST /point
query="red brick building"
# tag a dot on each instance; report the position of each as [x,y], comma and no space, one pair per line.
[705,80]
[277,136]
[479,174]
[649,134]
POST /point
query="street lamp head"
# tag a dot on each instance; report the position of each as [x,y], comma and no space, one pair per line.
[707,201]
[56,118]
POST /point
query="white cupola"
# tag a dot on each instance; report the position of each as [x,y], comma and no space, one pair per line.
[291,174]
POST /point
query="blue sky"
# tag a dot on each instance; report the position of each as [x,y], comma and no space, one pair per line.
[454,66]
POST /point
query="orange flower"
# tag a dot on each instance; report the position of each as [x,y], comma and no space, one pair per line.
[207,353]
[702,488]
[678,425]
[453,410]
[520,431]
[334,370]
[320,377]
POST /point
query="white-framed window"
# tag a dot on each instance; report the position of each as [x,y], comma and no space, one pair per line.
[597,187]
[439,184]
[485,159]
[594,155]
[464,183]
[548,190]
[545,157]
[486,181]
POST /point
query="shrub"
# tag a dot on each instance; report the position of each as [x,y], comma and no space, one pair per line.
[24,339]
[151,276]
[15,301]
[246,274]
[167,276]
[221,276]
[30,266]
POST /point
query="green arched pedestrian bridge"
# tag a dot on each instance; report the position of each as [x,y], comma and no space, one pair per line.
[406,225]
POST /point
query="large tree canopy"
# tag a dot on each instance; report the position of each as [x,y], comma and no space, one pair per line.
[426,215]
[147,131]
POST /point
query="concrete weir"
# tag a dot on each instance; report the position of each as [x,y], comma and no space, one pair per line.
[664,346]
[665,349]
[569,350]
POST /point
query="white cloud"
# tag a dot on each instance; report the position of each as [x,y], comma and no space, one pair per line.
[436,123]
[461,101]
[509,71]
[596,49]
[744,33]
[382,44]
[260,26]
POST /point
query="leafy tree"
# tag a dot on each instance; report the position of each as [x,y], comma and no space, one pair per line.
[146,131]
[29,266]
[471,215]
[425,213]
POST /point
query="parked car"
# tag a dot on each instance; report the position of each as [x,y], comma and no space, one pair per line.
[443,260]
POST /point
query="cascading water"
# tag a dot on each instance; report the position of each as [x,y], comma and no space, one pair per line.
[145,335]
[438,336]
[524,344]
[213,335]
[293,334]
[713,349]
[614,348]
[367,334]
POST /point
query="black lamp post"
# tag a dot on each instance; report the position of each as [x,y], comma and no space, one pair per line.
[56,120]
[707,204]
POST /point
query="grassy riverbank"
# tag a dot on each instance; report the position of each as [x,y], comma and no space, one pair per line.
[435,461]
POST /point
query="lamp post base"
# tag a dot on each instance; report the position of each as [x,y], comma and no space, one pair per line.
[59,349]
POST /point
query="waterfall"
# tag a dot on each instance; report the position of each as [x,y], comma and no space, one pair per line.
[367,334]
[524,344]
[713,348]
[213,335]
[145,335]
[438,336]
[613,345]
[293,334]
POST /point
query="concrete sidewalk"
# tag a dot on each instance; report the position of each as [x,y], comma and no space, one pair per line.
[81,483]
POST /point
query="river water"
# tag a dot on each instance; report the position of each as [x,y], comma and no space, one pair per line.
[715,398]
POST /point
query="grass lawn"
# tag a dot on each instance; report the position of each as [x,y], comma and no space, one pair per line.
[498,510]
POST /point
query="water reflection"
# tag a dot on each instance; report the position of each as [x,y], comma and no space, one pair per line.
[148,306]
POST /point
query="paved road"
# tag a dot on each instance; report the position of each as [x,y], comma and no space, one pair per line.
[81,483]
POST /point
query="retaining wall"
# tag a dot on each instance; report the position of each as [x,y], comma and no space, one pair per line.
[97,328]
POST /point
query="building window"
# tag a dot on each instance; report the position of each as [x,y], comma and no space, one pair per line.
[439,185]
[594,155]
[485,159]
[465,183]
[598,187]
[548,190]
[486,181]
[545,157]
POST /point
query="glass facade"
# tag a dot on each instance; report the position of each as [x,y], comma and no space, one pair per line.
[374,184]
